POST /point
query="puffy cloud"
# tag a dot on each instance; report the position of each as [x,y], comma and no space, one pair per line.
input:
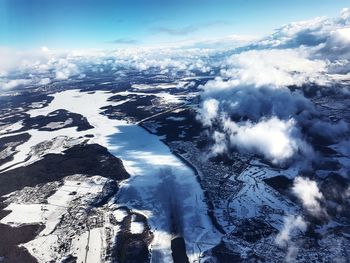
[63,65]
[44,81]
[15,83]
[271,137]
[165,60]
[322,38]
[275,67]
[252,92]
[309,33]
[302,33]
[65,69]
[45,49]
[13,60]
[337,47]
[275,139]
[253,102]
[309,194]
[262,120]
[220,145]
[209,111]
[8,61]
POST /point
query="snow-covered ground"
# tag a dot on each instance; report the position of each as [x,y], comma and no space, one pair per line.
[44,246]
[10,128]
[59,124]
[85,104]
[256,194]
[57,204]
[161,186]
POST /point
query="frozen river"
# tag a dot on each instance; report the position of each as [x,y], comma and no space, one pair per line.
[165,190]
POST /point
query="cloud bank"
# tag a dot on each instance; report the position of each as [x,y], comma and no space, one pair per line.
[63,65]
[257,105]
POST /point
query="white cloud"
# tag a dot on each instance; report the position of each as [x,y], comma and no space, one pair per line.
[209,111]
[276,67]
[65,69]
[322,38]
[44,81]
[45,49]
[223,43]
[309,33]
[254,102]
[62,75]
[272,138]
[252,89]
[262,120]
[15,83]
[7,61]
[309,194]
[292,253]
[13,60]
[292,226]
[220,143]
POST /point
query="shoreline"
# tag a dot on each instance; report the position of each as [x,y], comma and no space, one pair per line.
[210,206]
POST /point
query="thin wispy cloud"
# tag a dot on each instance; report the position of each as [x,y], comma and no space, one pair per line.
[176,31]
[125,41]
[186,30]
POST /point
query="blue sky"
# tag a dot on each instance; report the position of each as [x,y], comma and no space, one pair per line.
[28,24]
